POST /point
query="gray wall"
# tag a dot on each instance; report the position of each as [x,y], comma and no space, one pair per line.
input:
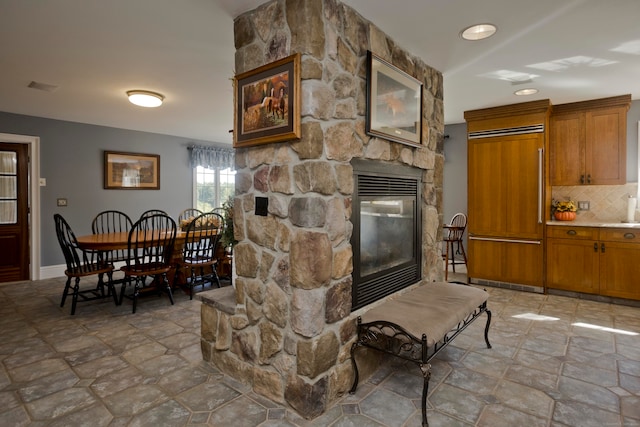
[71,156]
[454,190]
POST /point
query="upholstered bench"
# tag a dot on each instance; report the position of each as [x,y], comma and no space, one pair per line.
[419,323]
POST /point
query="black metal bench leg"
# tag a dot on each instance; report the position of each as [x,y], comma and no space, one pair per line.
[486,329]
[426,373]
[355,368]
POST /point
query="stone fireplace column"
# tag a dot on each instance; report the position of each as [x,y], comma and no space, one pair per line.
[287,327]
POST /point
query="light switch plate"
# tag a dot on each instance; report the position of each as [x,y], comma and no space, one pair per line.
[583,206]
[61,202]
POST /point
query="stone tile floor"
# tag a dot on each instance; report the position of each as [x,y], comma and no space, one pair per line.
[108,367]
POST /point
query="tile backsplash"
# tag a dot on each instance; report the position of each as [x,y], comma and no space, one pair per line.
[608,203]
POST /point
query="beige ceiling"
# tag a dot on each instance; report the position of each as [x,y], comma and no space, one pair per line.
[95,50]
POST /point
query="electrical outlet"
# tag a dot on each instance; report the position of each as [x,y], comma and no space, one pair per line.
[583,206]
[61,202]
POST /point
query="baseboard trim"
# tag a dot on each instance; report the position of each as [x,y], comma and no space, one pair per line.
[507,285]
[592,297]
[52,271]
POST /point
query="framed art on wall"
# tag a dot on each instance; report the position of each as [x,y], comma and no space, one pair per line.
[131,171]
[267,103]
[394,103]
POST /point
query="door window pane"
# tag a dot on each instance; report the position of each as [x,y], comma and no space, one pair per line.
[8,163]
[8,211]
[8,187]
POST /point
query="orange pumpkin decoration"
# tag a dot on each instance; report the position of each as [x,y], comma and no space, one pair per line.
[565,216]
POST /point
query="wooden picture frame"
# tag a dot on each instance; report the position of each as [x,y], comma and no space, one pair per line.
[267,103]
[131,171]
[394,103]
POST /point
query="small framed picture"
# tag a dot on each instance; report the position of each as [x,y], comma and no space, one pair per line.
[394,103]
[131,171]
[267,103]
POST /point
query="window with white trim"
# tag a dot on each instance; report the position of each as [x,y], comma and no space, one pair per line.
[212,187]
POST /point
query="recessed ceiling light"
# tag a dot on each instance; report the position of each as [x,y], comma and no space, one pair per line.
[525,92]
[478,32]
[145,98]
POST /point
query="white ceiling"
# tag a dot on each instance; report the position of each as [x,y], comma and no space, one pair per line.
[96,50]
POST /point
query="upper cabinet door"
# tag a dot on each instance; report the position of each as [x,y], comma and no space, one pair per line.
[567,155]
[588,142]
[606,146]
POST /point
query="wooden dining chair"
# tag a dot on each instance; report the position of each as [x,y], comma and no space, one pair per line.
[80,264]
[187,215]
[149,257]
[199,251]
[152,212]
[112,221]
[454,233]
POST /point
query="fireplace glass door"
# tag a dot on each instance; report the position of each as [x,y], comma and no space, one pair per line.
[386,239]
[387,235]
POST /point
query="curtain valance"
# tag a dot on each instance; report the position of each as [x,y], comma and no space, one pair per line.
[212,157]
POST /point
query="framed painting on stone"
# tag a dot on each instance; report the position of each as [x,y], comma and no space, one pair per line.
[267,103]
[394,103]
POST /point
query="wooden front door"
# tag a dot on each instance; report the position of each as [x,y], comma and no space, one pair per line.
[14,212]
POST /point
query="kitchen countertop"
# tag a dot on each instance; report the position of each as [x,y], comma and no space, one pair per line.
[608,224]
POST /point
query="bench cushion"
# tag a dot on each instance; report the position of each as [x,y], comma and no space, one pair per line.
[434,309]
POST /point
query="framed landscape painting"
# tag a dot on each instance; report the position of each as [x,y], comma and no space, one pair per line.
[267,103]
[131,171]
[394,103]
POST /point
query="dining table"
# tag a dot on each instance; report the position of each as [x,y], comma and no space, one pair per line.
[117,240]
[120,240]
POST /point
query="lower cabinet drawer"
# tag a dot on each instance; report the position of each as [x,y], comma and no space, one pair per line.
[623,235]
[568,232]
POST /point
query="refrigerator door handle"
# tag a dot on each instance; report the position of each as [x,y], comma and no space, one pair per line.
[540,184]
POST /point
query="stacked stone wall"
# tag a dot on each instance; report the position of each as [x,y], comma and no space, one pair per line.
[291,329]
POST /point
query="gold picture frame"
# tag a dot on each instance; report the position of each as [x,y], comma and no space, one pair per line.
[131,171]
[267,103]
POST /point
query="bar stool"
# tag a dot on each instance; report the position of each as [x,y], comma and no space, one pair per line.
[453,236]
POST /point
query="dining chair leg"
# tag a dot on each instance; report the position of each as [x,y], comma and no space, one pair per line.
[214,271]
[446,262]
[112,289]
[123,288]
[453,257]
[74,297]
[191,282]
[166,282]
[67,286]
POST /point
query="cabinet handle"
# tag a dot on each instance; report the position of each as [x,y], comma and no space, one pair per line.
[589,179]
[629,236]
[540,183]
[595,247]
[571,232]
[581,179]
[602,247]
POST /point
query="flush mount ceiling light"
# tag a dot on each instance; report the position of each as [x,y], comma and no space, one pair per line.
[525,92]
[145,98]
[478,31]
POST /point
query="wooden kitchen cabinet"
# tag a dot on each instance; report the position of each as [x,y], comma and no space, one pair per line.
[619,262]
[509,261]
[572,259]
[601,261]
[588,142]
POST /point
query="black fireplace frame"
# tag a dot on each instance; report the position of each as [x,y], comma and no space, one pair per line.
[378,179]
